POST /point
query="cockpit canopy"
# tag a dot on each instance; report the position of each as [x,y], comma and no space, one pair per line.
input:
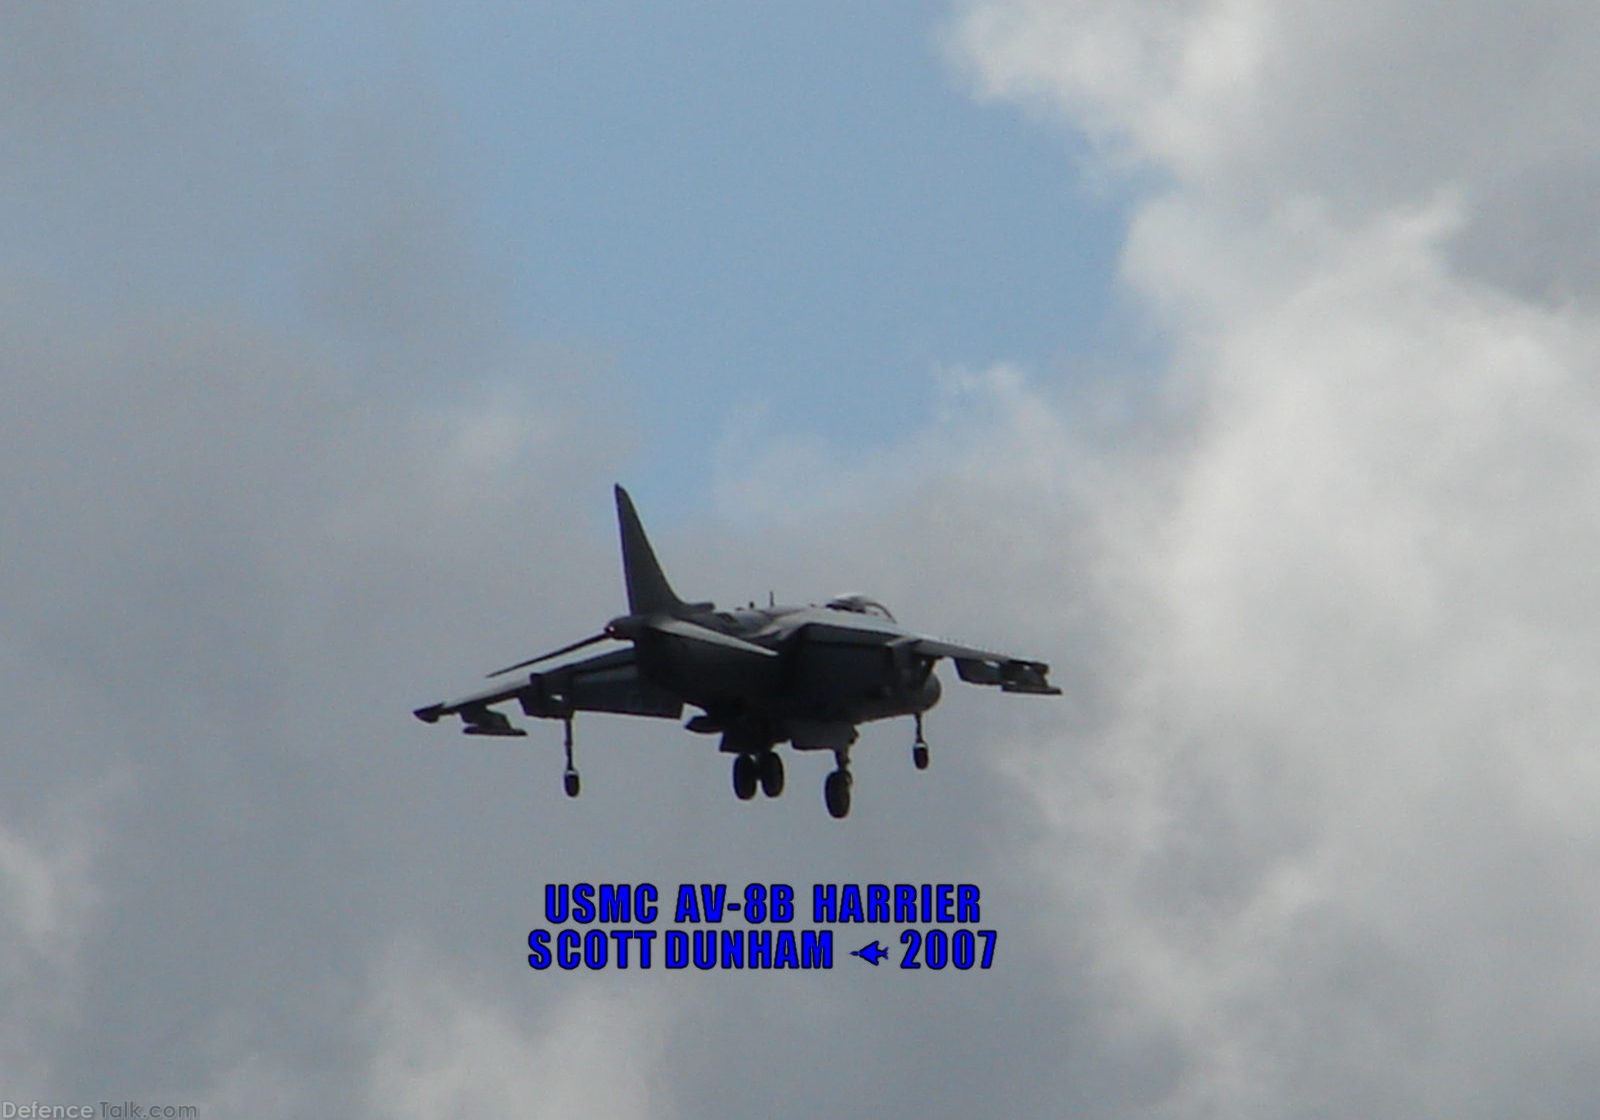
[860,604]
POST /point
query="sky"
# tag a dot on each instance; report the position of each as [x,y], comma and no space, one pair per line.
[1238,358]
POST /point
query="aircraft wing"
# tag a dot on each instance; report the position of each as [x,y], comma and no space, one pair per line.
[979,666]
[606,682]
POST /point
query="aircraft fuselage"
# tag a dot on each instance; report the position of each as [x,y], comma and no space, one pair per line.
[853,677]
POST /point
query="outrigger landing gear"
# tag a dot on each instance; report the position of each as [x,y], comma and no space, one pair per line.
[836,788]
[569,778]
[919,749]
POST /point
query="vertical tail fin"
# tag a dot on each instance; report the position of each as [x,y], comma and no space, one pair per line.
[648,589]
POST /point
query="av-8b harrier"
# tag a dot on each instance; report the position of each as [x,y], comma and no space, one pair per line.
[799,675]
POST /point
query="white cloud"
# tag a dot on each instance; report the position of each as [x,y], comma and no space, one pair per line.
[442,1051]
[1373,610]
[48,898]
[1255,99]
[1335,838]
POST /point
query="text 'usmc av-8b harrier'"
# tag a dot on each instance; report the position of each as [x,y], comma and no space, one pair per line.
[800,675]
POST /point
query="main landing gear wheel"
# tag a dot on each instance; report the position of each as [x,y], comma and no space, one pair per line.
[771,774]
[836,792]
[570,781]
[745,773]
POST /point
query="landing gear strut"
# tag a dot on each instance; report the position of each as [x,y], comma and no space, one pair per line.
[569,778]
[919,749]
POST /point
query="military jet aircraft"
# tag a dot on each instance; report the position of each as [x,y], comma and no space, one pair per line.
[802,675]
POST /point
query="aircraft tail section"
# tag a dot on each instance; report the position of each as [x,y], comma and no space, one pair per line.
[648,589]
